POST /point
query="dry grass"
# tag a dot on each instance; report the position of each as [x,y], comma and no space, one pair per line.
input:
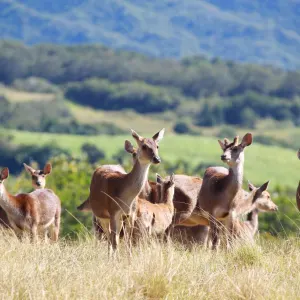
[122,119]
[82,270]
[22,96]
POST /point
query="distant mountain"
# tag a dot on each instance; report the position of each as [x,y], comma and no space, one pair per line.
[266,32]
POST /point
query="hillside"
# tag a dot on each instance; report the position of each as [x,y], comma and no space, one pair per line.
[253,31]
[262,162]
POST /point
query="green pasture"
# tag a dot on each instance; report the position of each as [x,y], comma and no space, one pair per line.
[262,163]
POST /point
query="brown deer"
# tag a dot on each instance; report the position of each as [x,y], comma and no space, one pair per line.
[38,177]
[38,181]
[219,189]
[113,194]
[153,218]
[258,198]
[246,230]
[149,192]
[32,212]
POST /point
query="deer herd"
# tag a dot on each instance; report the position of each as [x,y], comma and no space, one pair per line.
[207,210]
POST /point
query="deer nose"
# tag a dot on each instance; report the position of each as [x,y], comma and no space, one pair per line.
[156,159]
[223,157]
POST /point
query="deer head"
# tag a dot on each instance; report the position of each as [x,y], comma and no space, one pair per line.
[262,198]
[233,153]
[147,151]
[167,186]
[38,177]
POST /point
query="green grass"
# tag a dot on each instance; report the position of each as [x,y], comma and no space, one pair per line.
[262,163]
[82,270]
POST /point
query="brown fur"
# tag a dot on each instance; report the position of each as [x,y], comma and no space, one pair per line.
[156,218]
[32,212]
[113,194]
[218,190]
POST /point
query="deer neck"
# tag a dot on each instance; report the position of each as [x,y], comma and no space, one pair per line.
[235,176]
[7,201]
[167,198]
[135,181]
[245,202]
[252,218]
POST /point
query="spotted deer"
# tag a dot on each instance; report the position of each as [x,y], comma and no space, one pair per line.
[38,177]
[33,212]
[154,219]
[113,194]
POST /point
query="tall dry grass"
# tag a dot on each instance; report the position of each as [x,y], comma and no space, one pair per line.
[81,270]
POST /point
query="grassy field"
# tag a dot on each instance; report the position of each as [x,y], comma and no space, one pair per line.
[262,162]
[14,95]
[82,270]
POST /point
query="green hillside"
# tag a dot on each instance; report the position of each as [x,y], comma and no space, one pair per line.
[254,31]
[262,162]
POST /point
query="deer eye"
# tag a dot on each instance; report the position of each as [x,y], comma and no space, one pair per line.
[157,146]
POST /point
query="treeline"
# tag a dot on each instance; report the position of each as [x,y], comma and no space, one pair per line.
[218,91]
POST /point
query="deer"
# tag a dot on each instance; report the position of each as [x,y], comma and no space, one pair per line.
[258,199]
[262,202]
[38,181]
[86,205]
[38,177]
[113,194]
[149,191]
[215,200]
[152,218]
[33,212]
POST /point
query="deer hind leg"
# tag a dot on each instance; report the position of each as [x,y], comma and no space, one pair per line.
[56,226]
[115,227]
[98,230]
[34,232]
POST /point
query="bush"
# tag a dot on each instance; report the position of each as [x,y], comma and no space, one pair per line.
[93,153]
[182,128]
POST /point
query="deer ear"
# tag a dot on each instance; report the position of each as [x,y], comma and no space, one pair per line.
[222,145]
[128,147]
[264,187]
[159,178]
[136,136]
[4,173]
[251,186]
[159,136]
[247,140]
[28,169]
[172,178]
[47,169]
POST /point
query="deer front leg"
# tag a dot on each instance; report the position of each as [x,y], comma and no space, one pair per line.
[214,233]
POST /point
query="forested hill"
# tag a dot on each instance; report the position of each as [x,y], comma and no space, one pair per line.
[241,30]
[207,92]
